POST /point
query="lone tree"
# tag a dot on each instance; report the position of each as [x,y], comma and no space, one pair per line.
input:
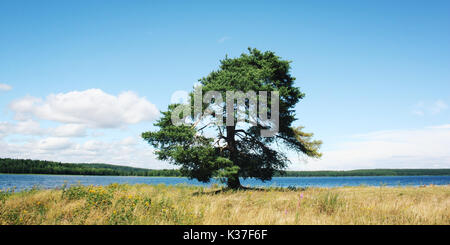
[205,149]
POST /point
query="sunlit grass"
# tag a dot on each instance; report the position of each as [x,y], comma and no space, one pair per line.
[157,205]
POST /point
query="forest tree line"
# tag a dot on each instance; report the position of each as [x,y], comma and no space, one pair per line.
[27,166]
[367,172]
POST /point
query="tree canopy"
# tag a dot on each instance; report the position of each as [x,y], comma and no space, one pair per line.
[210,147]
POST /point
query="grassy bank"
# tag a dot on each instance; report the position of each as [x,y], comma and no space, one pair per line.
[145,204]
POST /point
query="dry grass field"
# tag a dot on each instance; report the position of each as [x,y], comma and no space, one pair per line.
[158,205]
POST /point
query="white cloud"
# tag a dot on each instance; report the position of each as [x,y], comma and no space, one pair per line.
[28,127]
[179,96]
[75,113]
[5,87]
[4,129]
[69,130]
[422,148]
[23,107]
[53,143]
[422,108]
[129,141]
[445,126]
[129,151]
[91,108]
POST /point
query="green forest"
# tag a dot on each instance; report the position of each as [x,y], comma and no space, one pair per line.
[367,172]
[26,166]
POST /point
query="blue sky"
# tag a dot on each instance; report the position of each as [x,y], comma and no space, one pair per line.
[375,73]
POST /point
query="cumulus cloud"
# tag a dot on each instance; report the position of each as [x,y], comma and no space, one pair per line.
[421,148]
[4,129]
[91,108]
[5,87]
[69,130]
[53,143]
[28,127]
[128,151]
[31,127]
[56,120]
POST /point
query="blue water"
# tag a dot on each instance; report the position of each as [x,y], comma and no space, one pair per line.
[21,182]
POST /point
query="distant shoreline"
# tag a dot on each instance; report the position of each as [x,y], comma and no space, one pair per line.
[127,176]
[88,175]
[28,166]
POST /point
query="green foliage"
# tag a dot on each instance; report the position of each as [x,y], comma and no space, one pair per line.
[26,166]
[181,145]
[239,150]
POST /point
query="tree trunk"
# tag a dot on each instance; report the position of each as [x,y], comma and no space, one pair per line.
[233,181]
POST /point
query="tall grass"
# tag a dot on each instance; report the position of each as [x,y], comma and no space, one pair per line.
[157,205]
[328,202]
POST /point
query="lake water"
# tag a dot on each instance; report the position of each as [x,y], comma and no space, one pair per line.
[54,181]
